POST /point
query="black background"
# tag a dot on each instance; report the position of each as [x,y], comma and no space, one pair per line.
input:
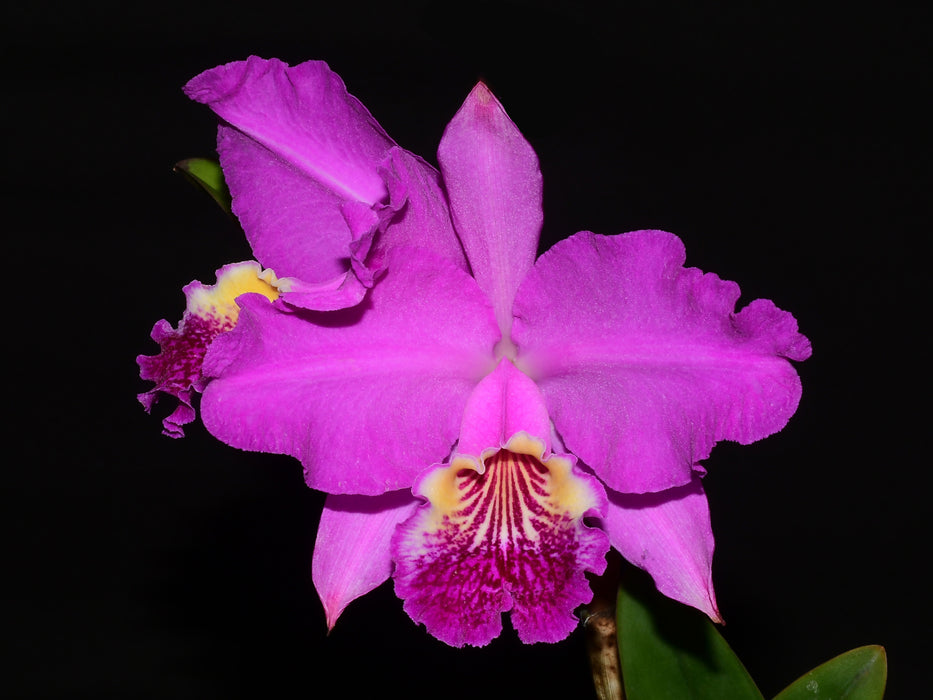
[784,143]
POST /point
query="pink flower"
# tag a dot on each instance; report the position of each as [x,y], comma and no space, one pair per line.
[477,405]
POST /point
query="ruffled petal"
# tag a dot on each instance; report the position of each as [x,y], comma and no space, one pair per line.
[503,530]
[352,553]
[366,398]
[340,292]
[210,311]
[292,222]
[295,147]
[668,534]
[494,185]
[420,215]
[644,364]
[305,115]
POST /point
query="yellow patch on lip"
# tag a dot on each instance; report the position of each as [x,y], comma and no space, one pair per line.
[520,443]
[219,300]
[514,485]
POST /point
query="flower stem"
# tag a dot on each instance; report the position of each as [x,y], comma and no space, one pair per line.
[599,623]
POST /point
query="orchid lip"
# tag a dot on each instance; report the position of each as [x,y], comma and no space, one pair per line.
[210,311]
[504,533]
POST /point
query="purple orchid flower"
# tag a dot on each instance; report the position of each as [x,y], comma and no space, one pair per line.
[486,425]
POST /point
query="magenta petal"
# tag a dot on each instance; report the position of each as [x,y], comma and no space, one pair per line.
[644,364]
[352,554]
[341,292]
[294,224]
[423,217]
[494,185]
[668,534]
[295,147]
[367,397]
[305,115]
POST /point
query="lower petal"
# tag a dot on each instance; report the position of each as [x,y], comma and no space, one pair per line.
[352,554]
[511,538]
[668,534]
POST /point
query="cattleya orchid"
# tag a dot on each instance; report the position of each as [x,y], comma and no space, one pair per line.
[486,424]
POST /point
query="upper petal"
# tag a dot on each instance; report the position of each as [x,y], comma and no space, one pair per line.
[494,185]
[644,364]
[365,398]
[304,115]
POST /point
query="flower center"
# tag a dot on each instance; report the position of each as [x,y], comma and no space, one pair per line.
[505,348]
[509,539]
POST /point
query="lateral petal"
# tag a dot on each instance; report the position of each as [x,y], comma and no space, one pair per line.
[668,534]
[423,216]
[494,185]
[352,553]
[645,365]
[366,397]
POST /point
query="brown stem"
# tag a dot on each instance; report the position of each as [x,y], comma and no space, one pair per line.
[599,623]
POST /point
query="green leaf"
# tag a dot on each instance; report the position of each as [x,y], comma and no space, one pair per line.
[207,174]
[671,651]
[859,674]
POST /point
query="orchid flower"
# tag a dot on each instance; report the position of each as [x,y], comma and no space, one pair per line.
[486,424]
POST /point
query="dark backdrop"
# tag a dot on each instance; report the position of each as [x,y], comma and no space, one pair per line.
[783,143]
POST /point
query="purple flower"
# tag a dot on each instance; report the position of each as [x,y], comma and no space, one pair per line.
[477,405]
